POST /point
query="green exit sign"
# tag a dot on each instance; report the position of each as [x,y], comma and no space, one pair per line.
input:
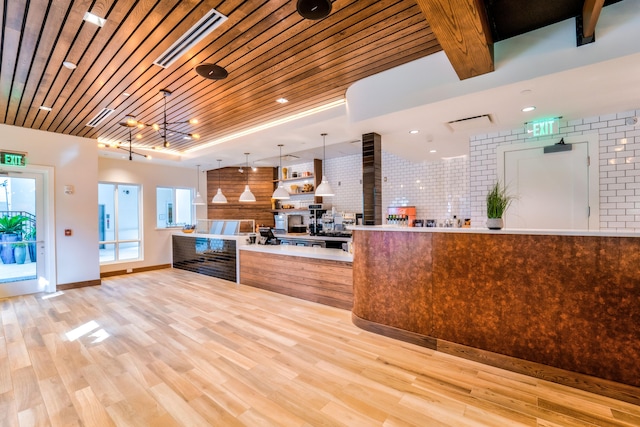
[543,128]
[13,159]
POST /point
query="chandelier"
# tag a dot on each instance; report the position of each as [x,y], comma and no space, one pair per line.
[130,149]
[163,128]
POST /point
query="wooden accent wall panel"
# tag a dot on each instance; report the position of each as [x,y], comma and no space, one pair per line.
[571,302]
[232,183]
[323,281]
[372,179]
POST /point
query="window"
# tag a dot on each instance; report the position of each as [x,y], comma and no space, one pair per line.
[173,207]
[119,222]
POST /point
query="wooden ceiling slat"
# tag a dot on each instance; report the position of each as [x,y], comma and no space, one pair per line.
[50,28]
[462,29]
[120,53]
[11,42]
[35,16]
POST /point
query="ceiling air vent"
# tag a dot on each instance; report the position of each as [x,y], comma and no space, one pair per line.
[100,117]
[471,123]
[200,30]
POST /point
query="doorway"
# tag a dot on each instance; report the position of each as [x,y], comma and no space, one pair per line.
[554,190]
[23,268]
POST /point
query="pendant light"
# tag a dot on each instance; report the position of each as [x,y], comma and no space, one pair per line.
[219,197]
[281,193]
[198,200]
[247,195]
[324,189]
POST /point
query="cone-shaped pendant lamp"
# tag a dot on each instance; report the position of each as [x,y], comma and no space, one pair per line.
[219,197]
[198,200]
[324,189]
[247,195]
[281,193]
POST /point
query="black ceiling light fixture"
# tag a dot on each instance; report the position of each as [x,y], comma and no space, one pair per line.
[212,71]
[129,124]
[163,128]
[314,9]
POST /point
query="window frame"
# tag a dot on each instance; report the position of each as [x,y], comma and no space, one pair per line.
[116,222]
[192,210]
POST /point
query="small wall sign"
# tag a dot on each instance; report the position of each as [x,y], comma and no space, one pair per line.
[13,159]
[543,128]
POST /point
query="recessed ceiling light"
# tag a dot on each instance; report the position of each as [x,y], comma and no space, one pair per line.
[70,65]
[282,100]
[529,108]
[94,19]
[125,94]
[432,151]
[43,108]
[413,132]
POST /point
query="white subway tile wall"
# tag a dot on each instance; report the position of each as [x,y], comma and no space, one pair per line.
[439,190]
[619,166]
[345,176]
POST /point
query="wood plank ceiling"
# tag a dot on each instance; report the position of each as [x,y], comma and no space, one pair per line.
[268,49]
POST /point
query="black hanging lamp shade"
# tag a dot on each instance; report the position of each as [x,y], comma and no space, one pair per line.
[314,9]
[212,71]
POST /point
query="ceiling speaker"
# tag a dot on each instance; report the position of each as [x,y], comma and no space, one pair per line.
[212,71]
[314,9]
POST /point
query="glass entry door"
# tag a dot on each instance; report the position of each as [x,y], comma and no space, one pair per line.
[21,234]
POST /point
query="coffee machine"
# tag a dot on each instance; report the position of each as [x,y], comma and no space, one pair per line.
[315,219]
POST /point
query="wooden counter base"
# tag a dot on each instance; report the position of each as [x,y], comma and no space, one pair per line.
[322,281]
[588,383]
[568,302]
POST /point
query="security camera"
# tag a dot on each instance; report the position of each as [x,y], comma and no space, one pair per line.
[631,121]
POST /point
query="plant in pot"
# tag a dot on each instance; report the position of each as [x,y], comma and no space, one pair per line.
[30,238]
[11,228]
[19,252]
[498,200]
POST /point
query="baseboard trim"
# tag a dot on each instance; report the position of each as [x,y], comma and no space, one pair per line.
[76,285]
[134,270]
[603,387]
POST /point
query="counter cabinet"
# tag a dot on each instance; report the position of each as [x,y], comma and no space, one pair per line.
[565,301]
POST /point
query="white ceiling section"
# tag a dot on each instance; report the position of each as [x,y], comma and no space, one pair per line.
[542,68]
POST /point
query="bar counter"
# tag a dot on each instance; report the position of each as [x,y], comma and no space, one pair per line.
[560,305]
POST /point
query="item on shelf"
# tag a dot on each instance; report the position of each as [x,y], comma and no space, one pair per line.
[284,173]
[307,188]
[294,174]
[294,188]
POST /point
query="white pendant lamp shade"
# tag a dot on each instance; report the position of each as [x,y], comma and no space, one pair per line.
[219,197]
[198,200]
[281,193]
[324,189]
[247,195]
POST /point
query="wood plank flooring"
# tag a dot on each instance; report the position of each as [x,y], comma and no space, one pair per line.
[174,348]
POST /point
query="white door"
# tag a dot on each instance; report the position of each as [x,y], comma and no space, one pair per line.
[552,189]
[22,264]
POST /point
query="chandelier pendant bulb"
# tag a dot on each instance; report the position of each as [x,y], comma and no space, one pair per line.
[219,197]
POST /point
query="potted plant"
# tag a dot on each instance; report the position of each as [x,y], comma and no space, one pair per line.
[11,228]
[498,200]
[19,252]
[30,238]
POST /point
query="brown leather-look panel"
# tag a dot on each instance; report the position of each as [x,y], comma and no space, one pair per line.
[393,287]
[571,302]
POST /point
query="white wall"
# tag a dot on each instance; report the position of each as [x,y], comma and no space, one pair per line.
[619,166]
[75,162]
[156,242]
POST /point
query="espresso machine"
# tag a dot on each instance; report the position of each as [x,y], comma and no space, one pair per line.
[315,219]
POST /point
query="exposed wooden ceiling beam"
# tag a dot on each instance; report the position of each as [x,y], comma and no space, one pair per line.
[590,14]
[462,29]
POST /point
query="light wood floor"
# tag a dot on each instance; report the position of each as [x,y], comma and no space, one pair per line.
[170,347]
